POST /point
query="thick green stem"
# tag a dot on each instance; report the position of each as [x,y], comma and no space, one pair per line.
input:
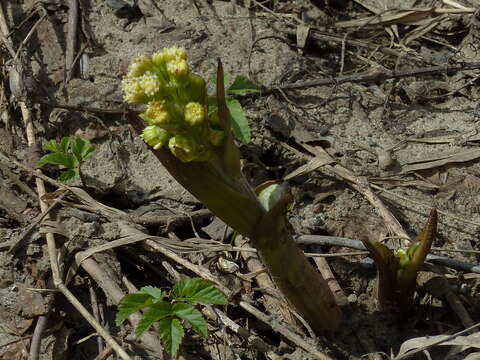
[302,285]
[233,201]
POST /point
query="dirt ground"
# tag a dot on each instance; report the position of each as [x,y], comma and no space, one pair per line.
[365,80]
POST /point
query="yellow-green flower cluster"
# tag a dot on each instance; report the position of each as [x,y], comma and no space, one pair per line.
[176,113]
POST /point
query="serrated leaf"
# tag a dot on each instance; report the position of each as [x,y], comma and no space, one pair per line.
[242,86]
[52,146]
[155,312]
[69,176]
[131,303]
[240,126]
[171,332]
[198,290]
[156,293]
[82,148]
[57,158]
[193,316]
[64,144]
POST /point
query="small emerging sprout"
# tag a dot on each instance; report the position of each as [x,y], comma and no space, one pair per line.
[397,270]
[176,105]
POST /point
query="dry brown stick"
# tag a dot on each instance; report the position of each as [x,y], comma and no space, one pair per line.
[172,220]
[96,313]
[71,39]
[29,35]
[318,35]
[290,335]
[252,340]
[37,337]
[333,284]
[439,287]
[16,180]
[18,241]
[105,354]
[4,31]
[377,75]
[448,338]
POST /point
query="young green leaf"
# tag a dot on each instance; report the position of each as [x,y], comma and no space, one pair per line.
[56,158]
[69,154]
[65,144]
[52,146]
[240,127]
[242,86]
[193,316]
[69,175]
[131,303]
[82,148]
[171,332]
[156,293]
[198,290]
[156,311]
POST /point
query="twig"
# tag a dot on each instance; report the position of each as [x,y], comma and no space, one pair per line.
[37,337]
[439,287]
[172,220]
[290,335]
[323,36]
[105,354]
[333,284]
[377,75]
[29,35]
[96,314]
[49,331]
[71,38]
[421,349]
[251,339]
[445,213]
[357,244]
[18,241]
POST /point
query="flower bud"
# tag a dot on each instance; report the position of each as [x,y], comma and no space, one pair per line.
[150,84]
[196,88]
[139,66]
[182,147]
[133,91]
[177,68]
[194,113]
[155,136]
[156,113]
[175,53]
